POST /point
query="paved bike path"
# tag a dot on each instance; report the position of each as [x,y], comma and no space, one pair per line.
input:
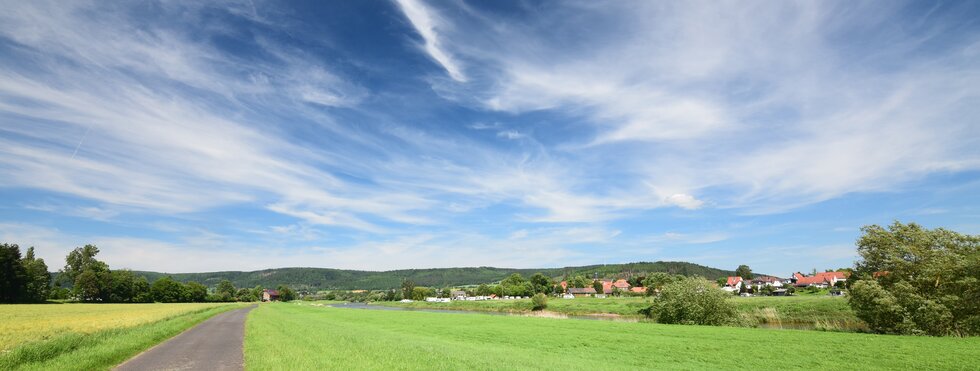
[215,344]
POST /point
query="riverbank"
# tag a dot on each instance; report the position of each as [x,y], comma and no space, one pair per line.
[794,312]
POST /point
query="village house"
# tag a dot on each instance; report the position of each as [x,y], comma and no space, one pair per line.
[270,295]
[759,282]
[820,280]
[458,295]
[734,283]
[608,286]
[621,284]
[579,292]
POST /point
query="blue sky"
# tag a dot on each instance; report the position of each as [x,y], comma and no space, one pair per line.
[239,135]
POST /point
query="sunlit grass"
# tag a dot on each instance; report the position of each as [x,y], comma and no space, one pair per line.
[815,312]
[302,337]
[105,348]
[24,323]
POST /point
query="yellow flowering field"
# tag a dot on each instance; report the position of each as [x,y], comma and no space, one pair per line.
[22,323]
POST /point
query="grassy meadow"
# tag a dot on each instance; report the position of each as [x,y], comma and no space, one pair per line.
[288,336]
[801,312]
[90,336]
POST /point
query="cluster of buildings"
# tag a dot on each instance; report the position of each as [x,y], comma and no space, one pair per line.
[733,284]
[820,280]
[608,287]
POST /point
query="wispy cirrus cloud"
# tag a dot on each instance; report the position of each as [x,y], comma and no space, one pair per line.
[563,129]
[763,102]
[428,24]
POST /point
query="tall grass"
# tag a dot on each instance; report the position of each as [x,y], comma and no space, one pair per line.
[102,349]
[22,323]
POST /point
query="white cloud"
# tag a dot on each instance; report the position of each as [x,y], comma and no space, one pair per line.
[684,201]
[205,252]
[150,142]
[428,24]
[510,134]
[762,104]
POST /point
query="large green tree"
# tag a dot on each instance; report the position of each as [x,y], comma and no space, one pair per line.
[483,290]
[286,293]
[420,293]
[196,293]
[597,285]
[90,278]
[93,285]
[37,278]
[123,286]
[744,271]
[914,280]
[13,276]
[408,289]
[81,259]
[656,282]
[541,283]
[516,285]
[167,290]
[225,291]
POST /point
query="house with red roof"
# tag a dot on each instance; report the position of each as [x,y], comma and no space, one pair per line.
[270,295]
[621,284]
[821,279]
[734,283]
[607,286]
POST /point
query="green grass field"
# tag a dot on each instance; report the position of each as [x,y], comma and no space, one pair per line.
[291,336]
[91,336]
[800,312]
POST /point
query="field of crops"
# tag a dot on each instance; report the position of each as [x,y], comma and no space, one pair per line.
[90,336]
[27,322]
[817,312]
[292,336]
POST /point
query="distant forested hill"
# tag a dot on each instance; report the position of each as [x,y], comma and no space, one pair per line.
[325,278]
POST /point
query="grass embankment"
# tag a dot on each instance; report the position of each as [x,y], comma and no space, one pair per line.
[302,337]
[90,336]
[627,306]
[799,312]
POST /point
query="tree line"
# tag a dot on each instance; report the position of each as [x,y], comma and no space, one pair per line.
[326,279]
[84,278]
[23,279]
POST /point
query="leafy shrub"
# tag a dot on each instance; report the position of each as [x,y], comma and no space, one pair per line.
[540,301]
[693,301]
